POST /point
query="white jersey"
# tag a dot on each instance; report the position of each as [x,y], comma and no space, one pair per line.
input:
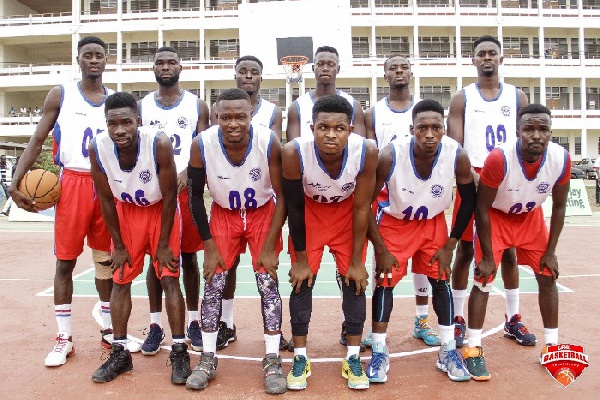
[264,114]
[391,124]
[518,194]
[179,120]
[79,120]
[139,185]
[412,197]
[317,182]
[489,123]
[238,187]
[304,105]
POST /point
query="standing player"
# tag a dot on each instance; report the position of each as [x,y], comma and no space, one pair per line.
[136,167]
[75,114]
[241,164]
[515,180]
[182,115]
[419,175]
[328,183]
[483,116]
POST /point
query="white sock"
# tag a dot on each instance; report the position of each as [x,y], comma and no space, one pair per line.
[352,350]
[192,316]
[446,333]
[272,343]
[512,302]
[459,297]
[421,310]
[62,312]
[227,312]
[122,342]
[474,337]
[209,341]
[179,340]
[106,320]
[155,318]
[379,337]
[421,284]
[300,351]
[551,335]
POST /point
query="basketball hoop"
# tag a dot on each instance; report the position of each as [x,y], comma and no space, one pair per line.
[293,67]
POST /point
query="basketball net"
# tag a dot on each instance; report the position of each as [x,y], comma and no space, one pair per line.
[292,66]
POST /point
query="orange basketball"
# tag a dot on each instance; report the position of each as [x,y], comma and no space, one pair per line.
[565,376]
[42,186]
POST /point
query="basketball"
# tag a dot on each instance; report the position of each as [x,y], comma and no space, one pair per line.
[42,186]
[565,377]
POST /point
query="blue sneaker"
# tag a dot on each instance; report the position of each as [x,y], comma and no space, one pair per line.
[379,364]
[425,332]
[460,328]
[194,335]
[152,343]
[515,329]
[452,363]
[368,340]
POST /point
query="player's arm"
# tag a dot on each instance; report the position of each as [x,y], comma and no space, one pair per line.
[483,203]
[213,115]
[34,148]
[359,120]
[369,127]
[522,102]
[456,117]
[293,123]
[277,123]
[204,117]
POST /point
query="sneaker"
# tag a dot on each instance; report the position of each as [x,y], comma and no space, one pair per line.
[204,372]
[194,336]
[118,362]
[451,362]
[275,382]
[515,329]
[424,331]
[283,344]
[107,338]
[368,340]
[353,371]
[153,341]
[379,364]
[476,363]
[180,363]
[344,339]
[460,328]
[290,344]
[62,349]
[296,378]
[225,336]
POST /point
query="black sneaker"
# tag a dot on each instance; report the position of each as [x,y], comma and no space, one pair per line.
[344,339]
[225,336]
[118,362]
[283,344]
[180,363]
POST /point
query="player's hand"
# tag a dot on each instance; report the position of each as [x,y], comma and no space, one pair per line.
[550,262]
[22,201]
[444,257]
[300,272]
[475,177]
[485,270]
[119,258]
[181,180]
[357,273]
[269,260]
[164,257]
[212,261]
[384,262]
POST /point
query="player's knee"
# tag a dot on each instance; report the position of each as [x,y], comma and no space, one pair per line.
[545,283]
[102,266]
[509,258]
[442,301]
[421,285]
[479,285]
[189,261]
[382,304]
[464,253]
[354,307]
[271,301]
[301,309]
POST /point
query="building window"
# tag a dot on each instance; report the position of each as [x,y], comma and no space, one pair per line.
[439,93]
[576,98]
[391,3]
[140,94]
[275,96]
[515,46]
[359,3]
[434,46]
[556,48]
[178,5]
[143,51]
[382,92]
[360,94]
[466,45]
[591,4]
[214,93]
[577,145]
[563,141]
[224,4]
[435,3]
[557,98]
[386,46]
[525,90]
[591,47]
[360,46]
[187,49]
[224,48]
[478,3]
[592,98]
[144,5]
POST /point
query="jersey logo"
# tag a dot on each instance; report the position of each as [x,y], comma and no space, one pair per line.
[505,110]
[254,174]
[145,176]
[543,187]
[437,191]
[347,186]
[182,122]
[318,186]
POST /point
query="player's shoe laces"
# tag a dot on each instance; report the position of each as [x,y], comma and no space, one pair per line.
[203,372]
[344,339]
[296,378]
[194,334]
[476,363]
[225,335]
[118,362]
[451,362]
[515,329]
[180,363]
[152,343]
[460,328]
[353,371]
[424,331]
[379,364]
[275,382]
[62,349]
[368,340]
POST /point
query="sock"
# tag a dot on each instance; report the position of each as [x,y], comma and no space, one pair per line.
[192,316]
[62,312]
[106,321]
[379,337]
[459,297]
[446,333]
[209,341]
[227,312]
[352,350]
[551,335]
[300,351]
[512,302]
[155,318]
[474,337]
[122,341]
[421,310]
[178,339]
[272,343]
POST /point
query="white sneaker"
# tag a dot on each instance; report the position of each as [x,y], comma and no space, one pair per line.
[62,349]
[132,345]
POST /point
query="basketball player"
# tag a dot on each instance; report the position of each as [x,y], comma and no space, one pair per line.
[483,116]
[75,114]
[136,167]
[391,118]
[241,164]
[182,115]
[328,183]
[419,174]
[515,180]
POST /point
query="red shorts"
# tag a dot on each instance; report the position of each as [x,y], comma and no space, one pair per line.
[190,238]
[233,229]
[78,215]
[418,240]
[469,233]
[140,231]
[328,224]
[527,232]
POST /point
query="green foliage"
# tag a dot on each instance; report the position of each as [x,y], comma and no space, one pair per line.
[45,160]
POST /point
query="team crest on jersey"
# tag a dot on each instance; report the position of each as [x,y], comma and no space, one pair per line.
[437,191]
[346,187]
[145,176]
[505,110]
[182,122]
[543,187]
[254,174]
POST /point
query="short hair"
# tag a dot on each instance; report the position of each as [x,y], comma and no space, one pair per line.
[385,63]
[333,104]
[248,58]
[327,49]
[120,100]
[486,38]
[167,48]
[427,105]
[534,108]
[233,94]
[88,40]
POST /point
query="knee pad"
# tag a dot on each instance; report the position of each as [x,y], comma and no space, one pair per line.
[486,289]
[301,309]
[270,301]
[421,285]
[211,302]
[354,308]
[102,266]
[382,304]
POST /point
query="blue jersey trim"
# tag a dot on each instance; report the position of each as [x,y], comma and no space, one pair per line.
[248,149]
[98,160]
[297,146]
[171,106]
[201,143]
[322,166]
[91,103]
[362,155]
[495,98]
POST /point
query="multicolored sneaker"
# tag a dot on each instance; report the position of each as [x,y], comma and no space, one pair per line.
[368,340]
[194,336]
[379,364]
[476,363]
[225,335]
[460,328]
[274,381]
[451,362]
[296,378]
[203,372]
[62,349]
[515,329]
[353,371]
[424,331]
[153,341]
